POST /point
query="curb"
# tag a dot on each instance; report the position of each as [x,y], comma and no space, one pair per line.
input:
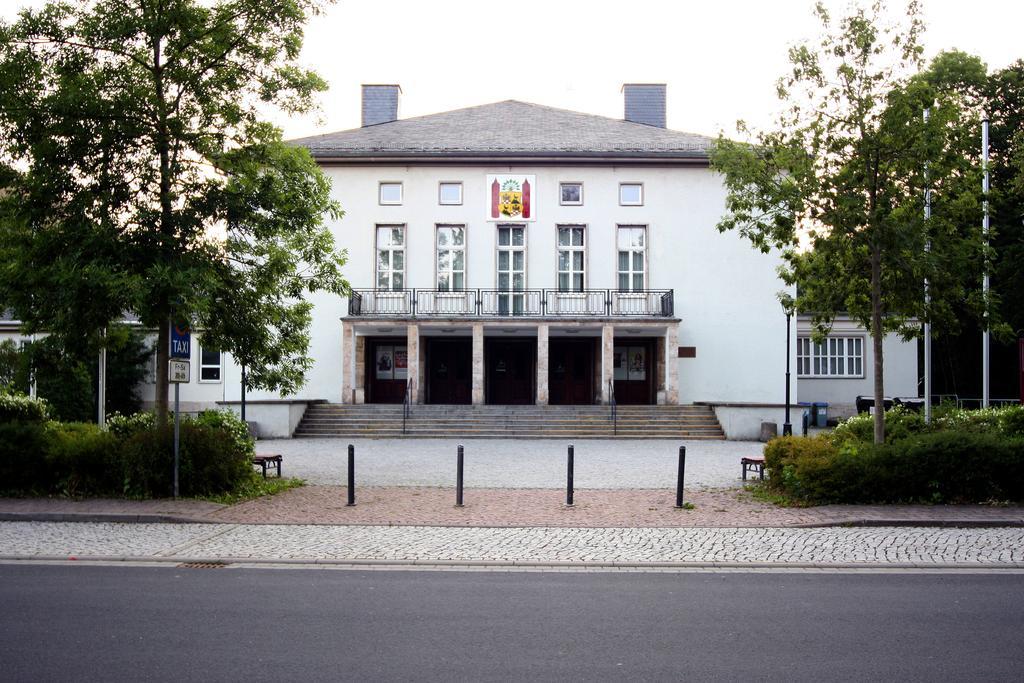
[157,518]
[502,564]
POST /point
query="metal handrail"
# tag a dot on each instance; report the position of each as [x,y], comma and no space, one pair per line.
[407,403]
[614,407]
[551,302]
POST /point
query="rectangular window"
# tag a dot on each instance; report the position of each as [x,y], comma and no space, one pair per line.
[835,357]
[390,258]
[449,193]
[511,268]
[570,194]
[631,194]
[451,258]
[390,193]
[572,250]
[632,250]
[209,365]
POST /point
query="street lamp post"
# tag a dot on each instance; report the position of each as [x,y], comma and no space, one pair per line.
[787,426]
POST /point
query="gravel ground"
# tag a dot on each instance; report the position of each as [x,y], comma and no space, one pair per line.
[506,463]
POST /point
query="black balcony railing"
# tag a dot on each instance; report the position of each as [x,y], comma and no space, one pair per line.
[436,303]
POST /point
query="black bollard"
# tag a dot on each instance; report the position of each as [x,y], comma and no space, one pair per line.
[458,480]
[679,477]
[351,476]
[568,481]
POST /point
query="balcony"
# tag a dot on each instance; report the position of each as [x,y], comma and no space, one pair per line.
[526,303]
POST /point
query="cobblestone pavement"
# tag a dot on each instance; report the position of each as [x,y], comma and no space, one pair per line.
[508,463]
[887,546]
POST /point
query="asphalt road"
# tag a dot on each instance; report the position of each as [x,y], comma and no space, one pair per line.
[127,623]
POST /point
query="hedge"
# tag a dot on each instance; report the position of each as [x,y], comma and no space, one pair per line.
[937,467]
[132,458]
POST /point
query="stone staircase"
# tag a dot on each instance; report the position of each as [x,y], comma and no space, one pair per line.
[502,422]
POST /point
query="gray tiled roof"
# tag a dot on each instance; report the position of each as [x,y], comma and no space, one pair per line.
[509,128]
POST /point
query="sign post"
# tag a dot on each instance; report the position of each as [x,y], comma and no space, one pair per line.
[178,372]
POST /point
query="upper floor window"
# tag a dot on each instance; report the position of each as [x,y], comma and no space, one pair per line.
[451,257]
[570,194]
[632,248]
[572,251]
[390,257]
[449,193]
[631,194]
[834,357]
[390,193]
[209,365]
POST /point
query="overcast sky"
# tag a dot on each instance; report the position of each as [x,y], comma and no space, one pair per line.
[719,58]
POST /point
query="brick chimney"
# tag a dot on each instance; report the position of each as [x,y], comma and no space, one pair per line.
[380,104]
[645,103]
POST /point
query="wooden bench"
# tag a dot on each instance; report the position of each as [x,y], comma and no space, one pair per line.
[268,461]
[755,464]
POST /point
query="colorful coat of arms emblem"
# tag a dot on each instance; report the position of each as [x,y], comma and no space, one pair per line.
[511,197]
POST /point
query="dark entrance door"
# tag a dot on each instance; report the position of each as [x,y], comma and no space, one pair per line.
[449,371]
[633,368]
[571,371]
[387,370]
[510,371]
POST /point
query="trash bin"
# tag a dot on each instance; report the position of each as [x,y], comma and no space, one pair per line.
[821,412]
[807,415]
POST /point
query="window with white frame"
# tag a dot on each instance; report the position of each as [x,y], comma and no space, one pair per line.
[511,268]
[834,357]
[449,193]
[570,194]
[390,257]
[390,193]
[209,365]
[631,194]
[572,252]
[451,258]
[632,248]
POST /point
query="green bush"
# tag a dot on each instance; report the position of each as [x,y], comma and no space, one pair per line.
[83,460]
[978,421]
[210,461]
[233,425]
[21,408]
[899,424]
[1011,421]
[941,467]
[127,425]
[23,448]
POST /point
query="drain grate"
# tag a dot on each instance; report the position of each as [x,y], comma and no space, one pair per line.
[203,565]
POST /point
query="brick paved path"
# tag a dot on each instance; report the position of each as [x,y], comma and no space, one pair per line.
[887,546]
[593,508]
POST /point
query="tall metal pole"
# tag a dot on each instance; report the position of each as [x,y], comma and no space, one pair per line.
[101,381]
[243,393]
[787,426]
[177,427]
[985,281]
[927,294]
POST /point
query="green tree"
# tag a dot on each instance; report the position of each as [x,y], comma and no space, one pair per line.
[846,170]
[139,175]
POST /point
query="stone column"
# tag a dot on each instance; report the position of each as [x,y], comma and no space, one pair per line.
[347,361]
[672,364]
[412,354]
[607,351]
[359,390]
[542,364]
[660,373]
[478,364]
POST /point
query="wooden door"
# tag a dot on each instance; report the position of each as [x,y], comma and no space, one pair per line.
[633,370]
[449,371]
[510,371]
[387,370]
[571,372]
